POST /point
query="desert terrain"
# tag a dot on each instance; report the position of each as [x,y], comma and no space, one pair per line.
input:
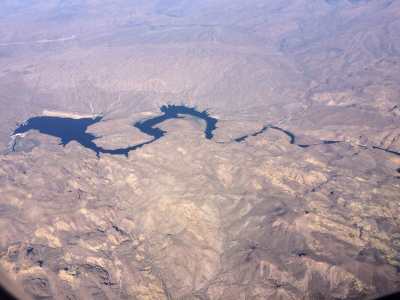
[295,196]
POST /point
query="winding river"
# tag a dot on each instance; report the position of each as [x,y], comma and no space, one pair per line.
[72,129]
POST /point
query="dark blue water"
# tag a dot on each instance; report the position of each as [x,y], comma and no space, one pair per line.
[174,112]
[291,136]
[68,129]
[244,137]
[386,150]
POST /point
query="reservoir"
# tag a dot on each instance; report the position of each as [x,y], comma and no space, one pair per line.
[71,129]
